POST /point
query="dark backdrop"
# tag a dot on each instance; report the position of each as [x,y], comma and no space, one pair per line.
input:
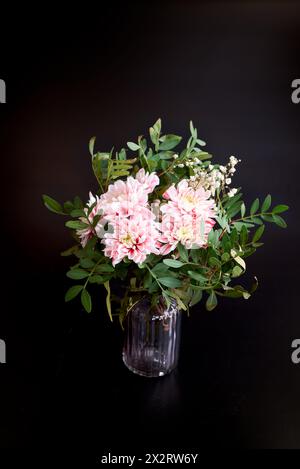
[112,72]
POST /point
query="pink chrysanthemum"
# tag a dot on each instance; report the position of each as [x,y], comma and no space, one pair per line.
[125,206]
[134,237]
[126,198]
[87,233]
[187,217]
[184,199]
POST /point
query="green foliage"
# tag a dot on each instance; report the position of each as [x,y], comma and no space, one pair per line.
[211,301]
[86,300]
[170,282]
[73,292]
[173,263]
[168,142]
[53,205]
[77,274]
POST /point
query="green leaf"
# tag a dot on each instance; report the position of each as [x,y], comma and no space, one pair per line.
[160,269]
[100,165]
[73,292]
[243,210]
[183,253]
[279,221]
[92,145]
[68,207]
[105,268]
[214,262]
[195,255]
[243,235]
[96,279]
[197,296]
[232,200]
[164,155]
[233,292]
[225,257]
[173,263]
[76,225]
[169,141]
[197,276]
[77,274]
[133,146]
[108,303]
[86,301]
[212,301]
[157,126]
[52,205]
[258,234]
[119,174]
[236,271]
[234,209]
[78,202]
[170,282]
[153,135]
[87,263]
[268,218]
[77,212]
[266,203]
[256,220]
[254,207]
[280,209]
[192,129]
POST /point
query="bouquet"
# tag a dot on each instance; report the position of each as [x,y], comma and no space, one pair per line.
[164,222]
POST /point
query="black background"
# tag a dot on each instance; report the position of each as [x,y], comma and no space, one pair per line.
[112,72]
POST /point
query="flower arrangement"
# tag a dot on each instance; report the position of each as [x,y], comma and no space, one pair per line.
[164,222]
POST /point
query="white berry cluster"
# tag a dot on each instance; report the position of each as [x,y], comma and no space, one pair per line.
[215,178]
[192,162]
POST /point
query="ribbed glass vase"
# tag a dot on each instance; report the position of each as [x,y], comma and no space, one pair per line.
[152,337]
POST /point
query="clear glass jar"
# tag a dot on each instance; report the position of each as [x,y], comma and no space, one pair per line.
[152,338]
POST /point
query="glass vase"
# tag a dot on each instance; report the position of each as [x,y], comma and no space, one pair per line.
[152,338]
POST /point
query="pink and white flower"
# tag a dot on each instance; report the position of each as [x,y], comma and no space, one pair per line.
[149,180]
[187,217]
[184,199]
[126,208]
[126,198]
[87,233]
[134,237]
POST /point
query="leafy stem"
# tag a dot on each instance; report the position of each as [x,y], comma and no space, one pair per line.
[155,278]
[91,273]
[250,216]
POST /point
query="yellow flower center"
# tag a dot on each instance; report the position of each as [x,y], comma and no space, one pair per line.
[127,240]
[189,198]
[184,232]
